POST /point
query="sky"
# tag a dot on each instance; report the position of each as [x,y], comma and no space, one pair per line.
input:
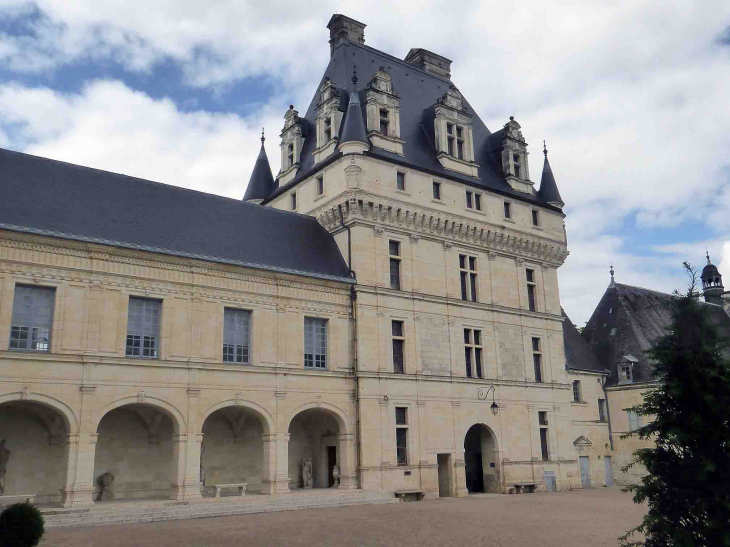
[632,97]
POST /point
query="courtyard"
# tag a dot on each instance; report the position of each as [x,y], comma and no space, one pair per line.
[563,519]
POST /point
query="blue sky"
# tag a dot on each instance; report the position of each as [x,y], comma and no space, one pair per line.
[632,98]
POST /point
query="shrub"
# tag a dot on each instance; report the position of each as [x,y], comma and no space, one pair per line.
[21,525]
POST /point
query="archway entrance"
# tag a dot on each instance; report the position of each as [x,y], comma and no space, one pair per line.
[135,445]
[33,451]
[313,445]
[233,450]
[481,460]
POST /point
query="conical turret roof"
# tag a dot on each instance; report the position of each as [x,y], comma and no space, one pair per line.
[354,128]
[548,187]
[261,183]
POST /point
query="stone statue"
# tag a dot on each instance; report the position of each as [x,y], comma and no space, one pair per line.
[105,483]
[4,459]
[307,473]
[336,476]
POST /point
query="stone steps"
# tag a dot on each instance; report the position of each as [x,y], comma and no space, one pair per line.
[146,511]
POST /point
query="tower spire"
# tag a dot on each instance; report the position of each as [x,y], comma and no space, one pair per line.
[548,187]
[354,139]
[261,183]
[262,136]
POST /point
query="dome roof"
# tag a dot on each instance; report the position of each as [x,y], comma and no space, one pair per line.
[710,271]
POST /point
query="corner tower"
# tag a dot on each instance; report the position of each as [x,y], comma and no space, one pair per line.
[261,183]
[712,288]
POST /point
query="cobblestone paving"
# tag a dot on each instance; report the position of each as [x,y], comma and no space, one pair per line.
[592,518]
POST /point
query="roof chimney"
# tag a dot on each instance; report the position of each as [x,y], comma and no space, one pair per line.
[343,28]
[430,62]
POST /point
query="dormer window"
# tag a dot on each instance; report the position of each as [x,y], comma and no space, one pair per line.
[327,121]
[453,132]
[292,140]
[517,165]
[327,129]
[384,121]
[455,136]
[289,155]
[626,373]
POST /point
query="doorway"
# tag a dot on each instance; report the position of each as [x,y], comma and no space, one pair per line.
[331,462]
[481,460]
[444,461]
[609,470]
[585,473]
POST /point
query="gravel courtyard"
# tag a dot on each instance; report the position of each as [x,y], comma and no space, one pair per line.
[564,519]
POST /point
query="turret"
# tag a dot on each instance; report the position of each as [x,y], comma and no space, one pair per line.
[712,288]
[548,187]
[261,183]
[354,139]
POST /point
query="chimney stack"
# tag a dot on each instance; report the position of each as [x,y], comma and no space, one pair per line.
[430,62]
[343,28]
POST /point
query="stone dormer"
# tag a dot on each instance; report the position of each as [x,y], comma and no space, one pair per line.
[453,130]
[343,28]
[430,62]
[292,140]
[514,158]
[327,121]
[383,113]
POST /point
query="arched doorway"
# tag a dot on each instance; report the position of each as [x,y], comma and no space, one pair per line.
[233,449]
[33,450]
[313,436]
[135,444]
[481,460]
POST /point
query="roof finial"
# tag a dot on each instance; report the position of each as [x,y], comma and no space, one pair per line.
[262,136]
[354,77]
[708,255]
[611,270]
[544,148]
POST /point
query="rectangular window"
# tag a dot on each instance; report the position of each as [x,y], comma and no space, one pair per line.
[315,343]
[576,391]
[450,138]
[626,375]
[394,252]
[290,155]
[473,353]
[400,181]
[437,190]
[468,276]
[601,410]
[544,444]
[32,319]
[469,200]
[327,129]
[635,421]
[320,185]
[236,336]
[460,142]
[143,327]
[507,210]
[401,435]
[294,201]
[537,359]
[518,166]
[398,343]
[478,202]
[535,218]
[384,121]
[531,289]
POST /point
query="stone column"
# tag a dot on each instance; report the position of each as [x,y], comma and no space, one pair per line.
[275,478]
[187,459]
[348,473]
[460,476]
[79,488]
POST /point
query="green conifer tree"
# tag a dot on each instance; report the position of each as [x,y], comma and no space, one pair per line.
[687,488]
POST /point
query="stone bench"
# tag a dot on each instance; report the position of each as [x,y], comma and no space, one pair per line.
[529,487]
[241,488]
[409,495]
[16,498]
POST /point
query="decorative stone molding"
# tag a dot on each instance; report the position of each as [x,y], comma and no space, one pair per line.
[87,389]
[25,393]
[194,391]
[414,238]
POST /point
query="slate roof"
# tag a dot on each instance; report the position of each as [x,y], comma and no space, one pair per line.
[578,353]
[53,198]
[418,90]
[548,187]
[353,127]
[261,183]
[627,321]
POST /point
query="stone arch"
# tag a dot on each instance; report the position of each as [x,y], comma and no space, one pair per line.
[337,413]
[62,408]
[481,459]
[260,412]
[178,420]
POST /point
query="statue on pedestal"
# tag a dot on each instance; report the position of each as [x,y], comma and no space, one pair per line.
[336,476]
[307,473]
[105,484]
[4,459]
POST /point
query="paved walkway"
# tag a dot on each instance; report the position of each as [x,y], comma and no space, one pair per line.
[593,518]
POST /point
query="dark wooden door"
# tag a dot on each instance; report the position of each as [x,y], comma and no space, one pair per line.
[331,462]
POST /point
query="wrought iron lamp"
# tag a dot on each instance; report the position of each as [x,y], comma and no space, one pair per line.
[482,395]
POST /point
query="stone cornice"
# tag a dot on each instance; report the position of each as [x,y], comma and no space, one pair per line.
[443,226]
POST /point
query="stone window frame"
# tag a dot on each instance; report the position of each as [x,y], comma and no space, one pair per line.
[602,411]
[398,176]
[401,426]
[293,204]
[536,218]
[36,325]
[395,260]
[468,277]
[507,208]
[577,393]
[473,352]
[148,338]
[473,201]
[319,187]
[248,336]
[398,338]
[537,359]
[543,424]
[437,191]
[532,293]
[318,360]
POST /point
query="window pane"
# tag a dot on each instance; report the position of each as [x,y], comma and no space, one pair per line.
[473,279]
[468,200]
[544,444]
[537,361]
[394,248]
[535,344]
[395,274]
[315,342]
[462,261]
[401,441]
[236,335]
[401,415]
[463,286]
[467,336]
[507,210]
[576,390]
[467,360]
[478,202]
[320,186]
[401,181]
[478,361]
[472,263]
[531,297]
[32,318]
[398,356]
[143,327]
[530,276]
[436,190]
[535,218]
[397,328]
[478,337]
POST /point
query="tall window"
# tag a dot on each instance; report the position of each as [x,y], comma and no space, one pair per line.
[635,421]
[290,155]
[468,274]
[535,217]
[477,202]
[473,352]
[626,375]
[507,210]
[294,201]
[236,336]
[30,325]
[531,289]
[398,343]
[543,421]
[143,327]
[469,200]
[460,142]
[384,121]
[401,435]
[327,129]
[320,185]
[437,190]
[394,252]
[601,410]
[315,342]
[517,164]
[537,359]
[576,391]
[450,138]
[400,181]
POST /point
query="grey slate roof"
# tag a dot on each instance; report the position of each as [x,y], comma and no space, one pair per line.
[58,199]
[353,128]
[578,353]
[418,90]
[548,187]
[627,321]
[261,183]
